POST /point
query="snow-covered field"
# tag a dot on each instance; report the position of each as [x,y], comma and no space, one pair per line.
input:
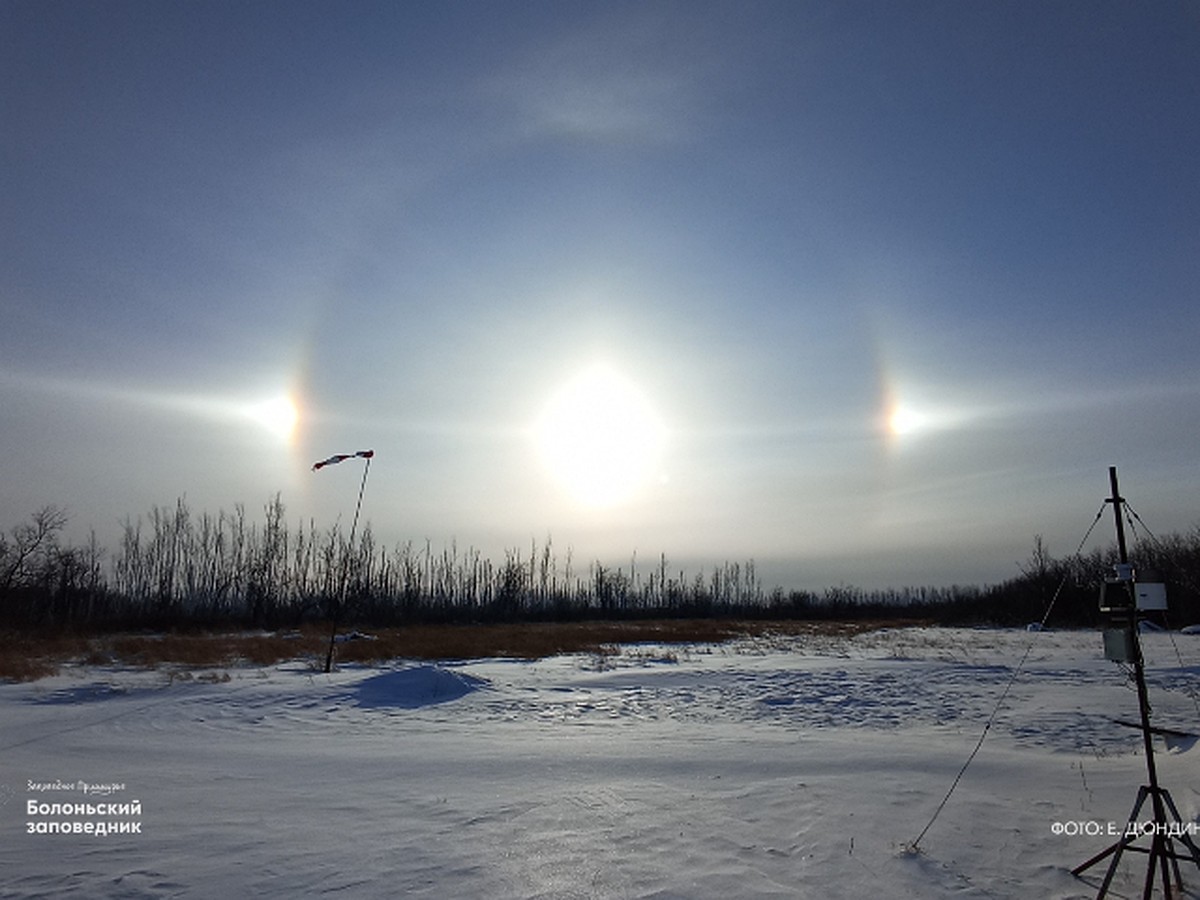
[770,767]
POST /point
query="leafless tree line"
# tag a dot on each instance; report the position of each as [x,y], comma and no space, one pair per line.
[174,568]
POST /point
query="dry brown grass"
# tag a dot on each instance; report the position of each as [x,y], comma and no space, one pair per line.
[210,649]
[536,640]
[24,668]
[27,657]
[30,656]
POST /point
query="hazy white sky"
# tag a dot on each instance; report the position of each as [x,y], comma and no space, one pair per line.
[871,293]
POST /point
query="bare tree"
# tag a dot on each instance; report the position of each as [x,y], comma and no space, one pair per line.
[30,542]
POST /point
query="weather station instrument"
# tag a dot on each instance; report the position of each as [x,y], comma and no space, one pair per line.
[1127,599]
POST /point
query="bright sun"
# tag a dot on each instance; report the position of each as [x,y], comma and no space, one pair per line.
[905,420]
[277,415]
[600,437]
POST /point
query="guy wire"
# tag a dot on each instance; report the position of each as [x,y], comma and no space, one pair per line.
[1152,539]
[914,846]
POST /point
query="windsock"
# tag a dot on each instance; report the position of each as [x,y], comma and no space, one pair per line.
[337,458]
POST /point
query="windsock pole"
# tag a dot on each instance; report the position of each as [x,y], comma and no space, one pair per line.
[367,455]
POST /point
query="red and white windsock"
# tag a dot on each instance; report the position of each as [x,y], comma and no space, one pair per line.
[337,458]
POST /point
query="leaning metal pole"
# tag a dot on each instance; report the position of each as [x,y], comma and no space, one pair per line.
[1139,668]
[1158,848]
[337,610]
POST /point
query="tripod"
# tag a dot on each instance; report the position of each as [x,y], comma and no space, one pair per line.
[1161,849]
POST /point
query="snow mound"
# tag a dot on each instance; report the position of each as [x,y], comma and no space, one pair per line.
[414,687]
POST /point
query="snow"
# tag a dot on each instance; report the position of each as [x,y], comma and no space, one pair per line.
[771,767]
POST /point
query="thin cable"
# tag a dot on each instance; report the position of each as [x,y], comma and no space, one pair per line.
[358,506]
[337,611]
[1189,689]
[1180,571]
[1157,544]
[1132,512]
[915,846]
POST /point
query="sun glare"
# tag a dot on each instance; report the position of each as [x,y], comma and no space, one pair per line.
[600,438]
[904,420]
[277,415]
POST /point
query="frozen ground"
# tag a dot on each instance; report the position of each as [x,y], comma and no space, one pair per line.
[763,768]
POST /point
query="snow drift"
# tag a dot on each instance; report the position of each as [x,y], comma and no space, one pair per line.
[762,768]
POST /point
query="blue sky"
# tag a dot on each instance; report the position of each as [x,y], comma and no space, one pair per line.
[871,293]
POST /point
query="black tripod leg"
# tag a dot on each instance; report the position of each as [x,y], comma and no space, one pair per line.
[1119,847]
